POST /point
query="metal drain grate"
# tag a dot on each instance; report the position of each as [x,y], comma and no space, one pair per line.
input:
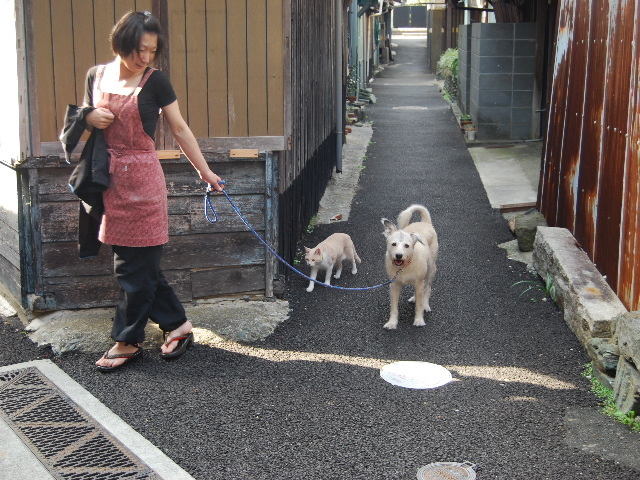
[66,440]
[447,471]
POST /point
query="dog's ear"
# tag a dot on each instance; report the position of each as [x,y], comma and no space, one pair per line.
[389,227]
[417,238]
[307,249]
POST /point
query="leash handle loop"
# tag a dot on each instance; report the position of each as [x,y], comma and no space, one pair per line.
[208,206]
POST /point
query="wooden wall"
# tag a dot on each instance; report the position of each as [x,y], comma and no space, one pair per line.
[306,169]
[233,50]
[68,37]
[226,60]
[249,74]
[200,260]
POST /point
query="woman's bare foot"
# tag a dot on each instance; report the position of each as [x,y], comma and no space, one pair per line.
[182,330]
[120,348]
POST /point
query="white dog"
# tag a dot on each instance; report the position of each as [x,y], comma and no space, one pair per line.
[412,250]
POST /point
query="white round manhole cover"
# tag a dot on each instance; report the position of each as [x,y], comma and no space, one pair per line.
[415,374]
[447,471]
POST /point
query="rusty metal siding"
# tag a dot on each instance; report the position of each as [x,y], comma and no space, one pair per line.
[587,181]
[590,169]
[629,283]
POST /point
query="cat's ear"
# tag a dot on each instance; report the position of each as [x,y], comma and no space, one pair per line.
[318,251]
[417,238]
[389,227]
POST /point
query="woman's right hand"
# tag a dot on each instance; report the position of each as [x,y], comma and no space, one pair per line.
[100,118]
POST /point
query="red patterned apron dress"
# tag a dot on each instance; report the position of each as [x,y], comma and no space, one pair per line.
[135,203]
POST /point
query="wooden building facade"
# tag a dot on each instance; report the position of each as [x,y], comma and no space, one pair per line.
[258,97]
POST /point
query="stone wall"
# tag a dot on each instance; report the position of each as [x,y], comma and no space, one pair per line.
[609,334]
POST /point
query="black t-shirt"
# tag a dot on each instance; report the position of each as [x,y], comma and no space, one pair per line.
[156,93]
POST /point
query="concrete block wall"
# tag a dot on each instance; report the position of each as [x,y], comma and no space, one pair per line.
[500,79]
[464,68]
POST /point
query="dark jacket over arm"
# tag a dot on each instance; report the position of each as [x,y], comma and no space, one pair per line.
[89,179]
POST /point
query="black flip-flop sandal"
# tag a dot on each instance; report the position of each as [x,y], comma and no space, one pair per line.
[130,357]
[184,342]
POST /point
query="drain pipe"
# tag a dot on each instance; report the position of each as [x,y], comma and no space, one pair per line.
[339,99]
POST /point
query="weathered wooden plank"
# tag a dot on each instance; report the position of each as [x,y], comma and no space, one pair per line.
[244,177]
[243,153]
[212,250]
[177,53]
[257,54]
[61,258]
[180,281]
[225,281]
[212,148]
[73,292]
[122,7]
[217,68]
[195,17]
[9,244]
[46,103]
[83,47]
[28,120]
[275,69]
[237,65]
[10,275]
[142,5]
[103,21]
[187,216]
[167,154]
[63,61]
[263,144]
[59,221]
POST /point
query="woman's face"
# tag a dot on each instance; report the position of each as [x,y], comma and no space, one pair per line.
[141,58]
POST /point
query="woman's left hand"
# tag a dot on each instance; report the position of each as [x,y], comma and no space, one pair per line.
[212,179]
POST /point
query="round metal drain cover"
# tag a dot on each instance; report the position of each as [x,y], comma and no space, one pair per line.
[415,374]
[447,471]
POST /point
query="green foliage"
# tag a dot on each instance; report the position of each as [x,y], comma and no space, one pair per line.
[312,224]
[548,287]
[607,403]
[447,70]
[352,83]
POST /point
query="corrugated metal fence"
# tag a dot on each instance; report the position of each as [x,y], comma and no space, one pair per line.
[589,181]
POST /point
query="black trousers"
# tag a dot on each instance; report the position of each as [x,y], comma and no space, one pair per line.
[144,294]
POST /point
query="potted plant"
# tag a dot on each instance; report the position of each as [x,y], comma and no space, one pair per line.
[470,131]
[352,87]
[464,120]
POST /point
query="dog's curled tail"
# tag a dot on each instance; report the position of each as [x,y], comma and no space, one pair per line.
[404,218]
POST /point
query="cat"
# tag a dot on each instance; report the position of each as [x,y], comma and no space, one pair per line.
[330,253]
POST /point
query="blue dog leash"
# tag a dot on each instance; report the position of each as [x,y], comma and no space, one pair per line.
[208,207]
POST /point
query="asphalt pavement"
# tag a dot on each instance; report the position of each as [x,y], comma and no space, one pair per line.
[308,402]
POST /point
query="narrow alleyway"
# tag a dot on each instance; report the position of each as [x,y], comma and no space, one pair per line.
[308,402]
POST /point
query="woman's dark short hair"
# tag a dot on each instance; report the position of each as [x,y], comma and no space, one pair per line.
[126,34]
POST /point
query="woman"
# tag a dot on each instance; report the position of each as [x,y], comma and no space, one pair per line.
[127,95]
